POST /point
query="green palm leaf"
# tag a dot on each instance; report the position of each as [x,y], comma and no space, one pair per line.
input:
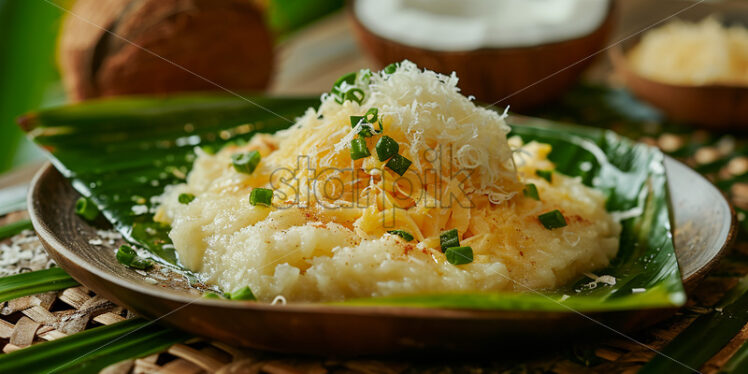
[738,363]
[6,231]
[123,152]
[92,350]
[706,336]
[34,282]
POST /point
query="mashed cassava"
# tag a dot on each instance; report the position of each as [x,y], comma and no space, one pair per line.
[325,237]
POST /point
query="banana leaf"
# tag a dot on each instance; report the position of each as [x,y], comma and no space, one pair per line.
[122,152]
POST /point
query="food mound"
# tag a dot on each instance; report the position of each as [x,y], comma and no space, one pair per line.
[396,185]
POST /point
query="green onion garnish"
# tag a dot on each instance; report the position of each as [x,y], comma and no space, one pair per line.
[403,234]
[366,76]
[261,196]
[354,94]
[545,174]
[531,191]
[389,69]
[350,93]
[398,164]
[359,149]
[86,209]
[552,220]
[448,239]
[185,198]
[355,120]
[125,255]
[386,147]
[372,115]
[242,294]
[211,295]
[141,263]
[459,255]
[365,132]
[349,78]
[246,162]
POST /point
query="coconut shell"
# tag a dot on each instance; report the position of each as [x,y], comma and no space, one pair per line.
[523,77]
[162,46]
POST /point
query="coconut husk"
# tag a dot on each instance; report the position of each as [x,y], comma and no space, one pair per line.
[122,47]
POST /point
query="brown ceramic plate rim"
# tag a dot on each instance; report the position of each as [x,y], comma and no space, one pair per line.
[61,249]
[690,282]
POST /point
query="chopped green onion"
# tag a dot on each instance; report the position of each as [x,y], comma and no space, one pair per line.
[359,149]
[365,132]
[86,209]
[125,255]
[242,294]
[246,162]
[545,174]
[261,196]
[141,263]
[366,76]
[355,120]
[403,234]
[381,126]
[211,295]
[552,220]
[354,94]
[398,164]
[531,191]
[459,255]
[372,115]
[349,78]
[448,239]
[389,69]
[386,147]
[341,96]
[185,198]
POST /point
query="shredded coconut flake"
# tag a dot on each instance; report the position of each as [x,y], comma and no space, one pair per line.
[279,300]
[605,279]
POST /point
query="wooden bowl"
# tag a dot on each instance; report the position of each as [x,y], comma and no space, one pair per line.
[712,106]
[721,106]
[705,227]
[522,77]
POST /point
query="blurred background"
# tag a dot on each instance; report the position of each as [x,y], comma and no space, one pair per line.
[56,51]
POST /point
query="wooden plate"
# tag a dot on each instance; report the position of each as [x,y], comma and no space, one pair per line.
[705,227]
